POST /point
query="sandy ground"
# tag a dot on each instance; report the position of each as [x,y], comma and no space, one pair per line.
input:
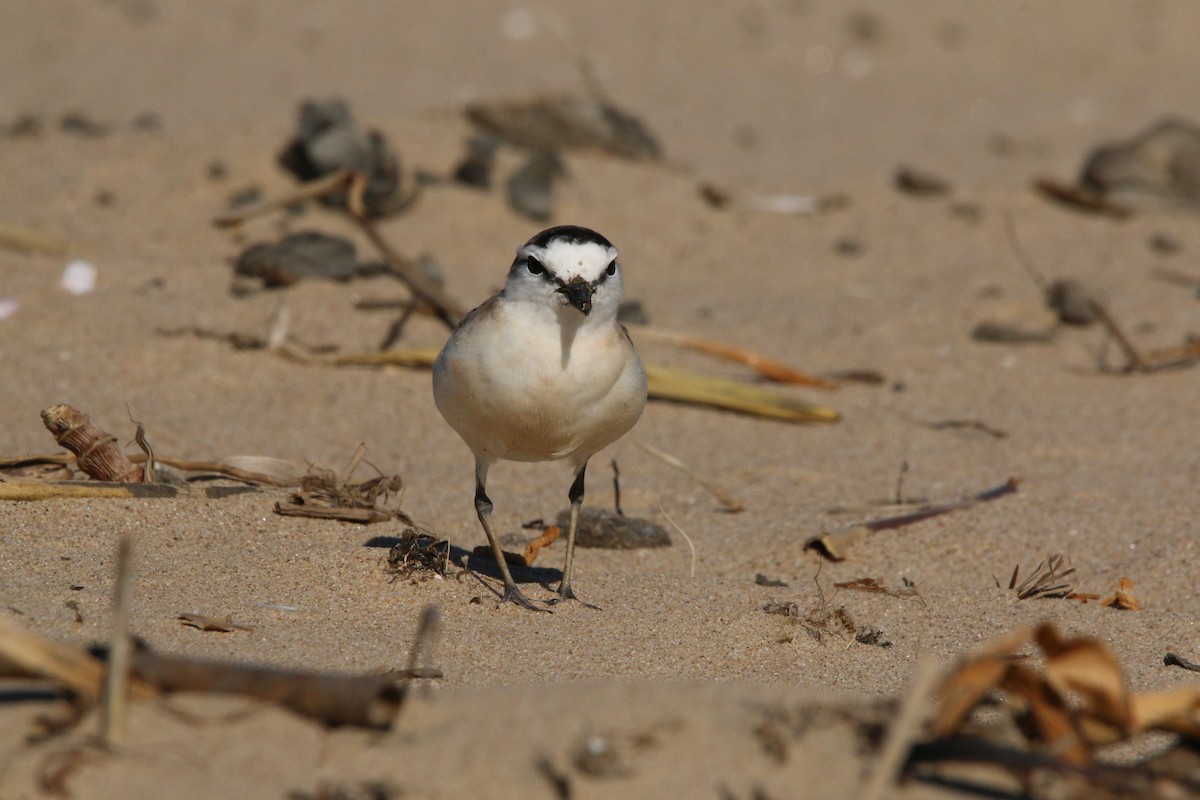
[799,97]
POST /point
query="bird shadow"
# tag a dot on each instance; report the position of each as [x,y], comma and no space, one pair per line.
[482,565]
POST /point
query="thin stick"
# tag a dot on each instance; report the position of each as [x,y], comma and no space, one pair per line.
[446,307]
[1172,660]
[355,460]
[617,488]
[116,683]
[731,505]
[422,645]
[1136,362]
[903,732]
[140,438]
[682,533]
[309,190]
[1014,244]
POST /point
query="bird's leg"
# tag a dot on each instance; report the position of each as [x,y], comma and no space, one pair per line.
[483,507]
[565,592]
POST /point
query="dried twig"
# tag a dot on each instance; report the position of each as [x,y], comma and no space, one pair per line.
[116,683]
[836,544]
[1172,660]
[1135,361]
[682,533]
[904,731]
[727,502]
[310,190]
[617,489]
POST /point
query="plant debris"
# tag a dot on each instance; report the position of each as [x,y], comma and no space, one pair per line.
[728,503]
[1080,198]
[206,623]
[300,256]
[872,636]
[1160,164]
[826,619]
[964,424]
[549,536]
[1078,703]
[836,545]
[1047,581]
[364,790]
[603,529]
[767,367]
[762,580]
[475,169]
[329,141]
[877,586]
[326,495]
[1172,660]
[369,700]
[920,184]
[567,122]
[1123,598]
[418,553]
[1003,333]
[531,188]
[28,240]
[96,452]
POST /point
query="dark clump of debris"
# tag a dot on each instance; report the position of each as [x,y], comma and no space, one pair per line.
[531,188]
[920,184]
[476,168]
[544,128]
[1161,162]
[604,529]
[1160,166]
[418,554]
[328,140]
[303,255]
[571,121]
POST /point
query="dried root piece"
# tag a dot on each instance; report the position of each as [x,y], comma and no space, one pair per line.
[96,452]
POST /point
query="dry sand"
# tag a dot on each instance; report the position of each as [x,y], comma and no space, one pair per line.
[677,671]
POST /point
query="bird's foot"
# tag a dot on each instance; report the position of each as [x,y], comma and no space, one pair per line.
[514,595]
[565,593]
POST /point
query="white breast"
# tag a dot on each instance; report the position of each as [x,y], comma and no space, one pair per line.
[515,387]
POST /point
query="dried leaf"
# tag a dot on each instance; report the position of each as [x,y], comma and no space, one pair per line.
[670,383]
[1090,668]
[975,678]
[836,545]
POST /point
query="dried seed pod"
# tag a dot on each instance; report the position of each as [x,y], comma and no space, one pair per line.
[96,452]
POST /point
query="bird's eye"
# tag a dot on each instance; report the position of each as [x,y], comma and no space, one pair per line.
[534,266]
[612,269]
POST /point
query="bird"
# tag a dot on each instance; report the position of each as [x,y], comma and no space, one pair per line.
[543,371]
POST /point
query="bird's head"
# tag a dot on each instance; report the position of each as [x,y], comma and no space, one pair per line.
[568,267]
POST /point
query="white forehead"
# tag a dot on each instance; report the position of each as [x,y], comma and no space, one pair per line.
[566,259]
